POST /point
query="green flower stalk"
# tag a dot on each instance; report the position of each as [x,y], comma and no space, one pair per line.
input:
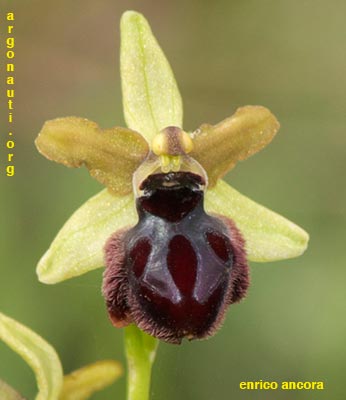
[153,157]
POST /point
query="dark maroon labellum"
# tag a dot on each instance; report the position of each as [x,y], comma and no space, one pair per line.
[175,273]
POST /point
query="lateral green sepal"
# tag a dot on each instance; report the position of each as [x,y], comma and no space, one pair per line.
[268,235]
[78,247]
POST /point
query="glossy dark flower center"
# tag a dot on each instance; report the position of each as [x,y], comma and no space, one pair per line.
[179,256]
[175,273]
[171,196]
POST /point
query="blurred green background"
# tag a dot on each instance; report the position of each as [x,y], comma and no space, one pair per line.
[286,55]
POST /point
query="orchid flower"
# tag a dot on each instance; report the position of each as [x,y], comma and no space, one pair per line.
[143,161]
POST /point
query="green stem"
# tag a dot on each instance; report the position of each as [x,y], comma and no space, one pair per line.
[140,351]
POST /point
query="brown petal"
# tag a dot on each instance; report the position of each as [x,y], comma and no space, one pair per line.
[218,147]
[111,155]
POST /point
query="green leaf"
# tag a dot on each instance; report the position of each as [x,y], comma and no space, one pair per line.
[219,147]
[140,353]
[151,98]
[39,355]
[268,235]
[82,383]
[111,155]
[78,247]
[8,393]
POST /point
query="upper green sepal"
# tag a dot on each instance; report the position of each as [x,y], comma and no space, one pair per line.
[151,97]
[268,236]
[39,355]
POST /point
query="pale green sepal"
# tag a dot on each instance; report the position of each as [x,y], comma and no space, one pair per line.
[268,235]
[39,355]
[140,353]
[78,247]
[8,393]
[82,383]
[151,97]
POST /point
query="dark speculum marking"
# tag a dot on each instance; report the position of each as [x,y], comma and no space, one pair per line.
[220,244]
[182,264]
[181,267]
[138,256]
